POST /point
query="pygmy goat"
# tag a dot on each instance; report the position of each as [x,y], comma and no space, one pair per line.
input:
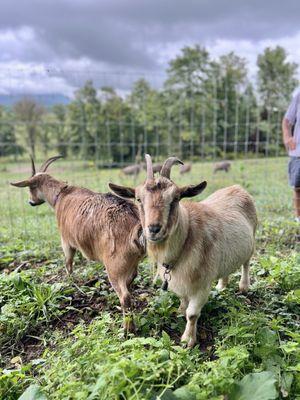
[222,166]
[102,227]
[194,243]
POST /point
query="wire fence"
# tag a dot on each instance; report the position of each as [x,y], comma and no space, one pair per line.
[103,122]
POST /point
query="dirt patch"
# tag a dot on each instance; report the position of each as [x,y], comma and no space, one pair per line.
[81,309]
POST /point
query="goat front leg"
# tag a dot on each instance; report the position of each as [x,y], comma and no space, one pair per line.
[183,305]
[126,305]
[245,278]
[192,315]
[121,279]
[222,283]
[69,253]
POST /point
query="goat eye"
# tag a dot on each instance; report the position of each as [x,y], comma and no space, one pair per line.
[138,200]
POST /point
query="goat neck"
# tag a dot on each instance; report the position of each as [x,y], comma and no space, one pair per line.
[170,250]
[51,189]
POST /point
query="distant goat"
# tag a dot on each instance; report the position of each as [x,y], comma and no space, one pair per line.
[134,169]
[102,227]
[185,168]
[194,243]
[157,167]
[222,166]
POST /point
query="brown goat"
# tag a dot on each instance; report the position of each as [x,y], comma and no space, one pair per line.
[222,166]
[194,243]
[101,226]
[185,168]
[157,167]
[134,169]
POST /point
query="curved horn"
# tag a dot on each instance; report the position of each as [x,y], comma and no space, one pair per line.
[166,168]
[48,162]
[149,167]
[32,166]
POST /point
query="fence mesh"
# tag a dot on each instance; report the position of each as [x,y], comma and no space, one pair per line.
[104,122]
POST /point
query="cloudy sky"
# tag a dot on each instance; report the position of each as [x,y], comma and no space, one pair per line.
[49,46]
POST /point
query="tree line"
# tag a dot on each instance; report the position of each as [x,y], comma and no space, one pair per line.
[205,108]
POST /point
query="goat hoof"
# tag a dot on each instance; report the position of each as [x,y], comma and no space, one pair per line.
[243,289]
[188,342]
[191,343]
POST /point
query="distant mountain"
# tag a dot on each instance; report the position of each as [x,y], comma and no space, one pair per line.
[47,100]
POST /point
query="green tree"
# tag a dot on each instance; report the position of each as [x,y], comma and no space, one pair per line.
[29,115]
[230,75]
[276,81]
[276,77]
[148,118]
[60,113]
[8,142]
[117,129]
[82,121]
[185,97]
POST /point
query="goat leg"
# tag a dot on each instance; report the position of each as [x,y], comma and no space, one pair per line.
[193,311]
[183,305]
[245,278]
[121,283]
[222,283]
[69,253]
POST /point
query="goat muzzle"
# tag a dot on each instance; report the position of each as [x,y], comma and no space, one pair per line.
[33,204]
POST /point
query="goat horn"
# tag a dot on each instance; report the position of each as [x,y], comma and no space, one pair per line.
[32,166]
[48,162]
[167,165]
[149,167]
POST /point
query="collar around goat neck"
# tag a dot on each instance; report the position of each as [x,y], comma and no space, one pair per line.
[170,267]
[58,194]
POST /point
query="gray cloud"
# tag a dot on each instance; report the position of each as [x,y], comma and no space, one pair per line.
[119,32]
[129,36]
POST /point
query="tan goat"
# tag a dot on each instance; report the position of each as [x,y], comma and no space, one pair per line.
[222,166]
[101,226]
[194,243]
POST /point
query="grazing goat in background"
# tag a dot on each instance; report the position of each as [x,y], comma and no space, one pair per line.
[194,243]
[101,226]
[134,169]
[157,167]
[185,168]
[222,166]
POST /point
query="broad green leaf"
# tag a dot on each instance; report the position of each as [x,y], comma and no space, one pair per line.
[258,386]
[167,395]
[183,393]
[33,392]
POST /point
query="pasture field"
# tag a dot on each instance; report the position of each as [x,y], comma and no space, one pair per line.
[61,337]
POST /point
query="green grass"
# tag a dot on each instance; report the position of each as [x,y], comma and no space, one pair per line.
[61,337]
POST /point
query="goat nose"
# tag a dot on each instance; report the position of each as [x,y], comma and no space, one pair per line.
[155,228]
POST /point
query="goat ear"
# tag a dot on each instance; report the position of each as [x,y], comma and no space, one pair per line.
[21,183]
[122,191]
[192,190]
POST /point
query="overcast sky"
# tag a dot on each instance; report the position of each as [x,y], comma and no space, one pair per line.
[54,45]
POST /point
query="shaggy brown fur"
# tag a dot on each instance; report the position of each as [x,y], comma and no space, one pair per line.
[102,227]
